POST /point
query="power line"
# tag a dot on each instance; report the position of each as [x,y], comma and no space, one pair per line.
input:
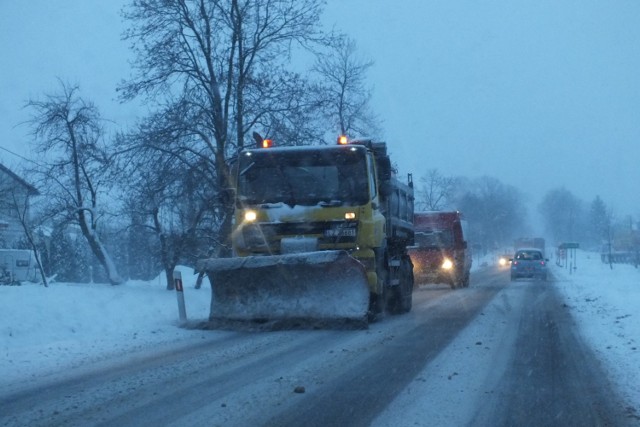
[18,155]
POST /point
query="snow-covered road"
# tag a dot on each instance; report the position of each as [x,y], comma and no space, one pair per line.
[435,363]
[115,354]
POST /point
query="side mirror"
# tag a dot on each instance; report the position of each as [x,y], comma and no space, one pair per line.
[385,189]
[384,168]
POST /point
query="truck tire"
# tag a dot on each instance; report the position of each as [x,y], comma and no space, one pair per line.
[466,280]
[401,296]
[406,286]
[456,282]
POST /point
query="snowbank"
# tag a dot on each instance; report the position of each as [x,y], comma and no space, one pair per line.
[67,324]
[606,305]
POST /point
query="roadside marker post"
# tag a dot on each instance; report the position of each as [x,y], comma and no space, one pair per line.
[177,282]
[570,251]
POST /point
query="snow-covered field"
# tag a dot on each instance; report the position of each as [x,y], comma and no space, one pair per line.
[606,305]
[44,330]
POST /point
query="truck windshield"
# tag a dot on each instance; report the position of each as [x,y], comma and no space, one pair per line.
[434,239]
[332,177]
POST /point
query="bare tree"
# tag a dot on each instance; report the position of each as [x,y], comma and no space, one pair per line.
[342,89]
[435,190]
[563,214]
[68,134]
[609,236]
[598,222]
[198,61]
[175,202]
[494,210]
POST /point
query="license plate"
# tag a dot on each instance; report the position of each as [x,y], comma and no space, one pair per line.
[340,232]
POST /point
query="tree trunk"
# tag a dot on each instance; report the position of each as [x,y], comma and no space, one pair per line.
[99,251]
[168,272]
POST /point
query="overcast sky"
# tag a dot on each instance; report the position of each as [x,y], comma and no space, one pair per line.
[538,94]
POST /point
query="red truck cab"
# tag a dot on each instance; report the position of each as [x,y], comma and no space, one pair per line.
[441,253]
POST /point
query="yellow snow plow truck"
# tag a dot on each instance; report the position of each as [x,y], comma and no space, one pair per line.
[320,233]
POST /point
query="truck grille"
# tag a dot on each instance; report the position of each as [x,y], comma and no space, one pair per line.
[327,232]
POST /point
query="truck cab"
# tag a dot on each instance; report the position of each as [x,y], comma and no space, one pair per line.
[441,253]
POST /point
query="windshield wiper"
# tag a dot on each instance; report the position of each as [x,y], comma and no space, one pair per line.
[332,203]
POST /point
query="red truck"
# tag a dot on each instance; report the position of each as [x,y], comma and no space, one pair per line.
[441,253]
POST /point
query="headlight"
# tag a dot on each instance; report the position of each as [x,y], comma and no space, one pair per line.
[447,264]
[250,216]
[503,261]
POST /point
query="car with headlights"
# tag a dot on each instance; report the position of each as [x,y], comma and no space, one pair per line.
[504,260]
[441,253]
[529,263]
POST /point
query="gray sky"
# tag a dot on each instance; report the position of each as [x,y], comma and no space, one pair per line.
[539,94]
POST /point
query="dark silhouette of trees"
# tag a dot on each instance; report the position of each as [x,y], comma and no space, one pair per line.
[563,215]
[495,211]
[599,222]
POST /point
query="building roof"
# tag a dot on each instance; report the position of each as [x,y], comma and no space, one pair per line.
[32,191]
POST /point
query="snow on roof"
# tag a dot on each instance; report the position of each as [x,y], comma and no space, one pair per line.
[30,188]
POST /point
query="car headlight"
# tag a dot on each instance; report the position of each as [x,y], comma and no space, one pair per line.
[447,264]
[503,261]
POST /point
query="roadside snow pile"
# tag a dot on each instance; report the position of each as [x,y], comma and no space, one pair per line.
[606,305]
[67,324]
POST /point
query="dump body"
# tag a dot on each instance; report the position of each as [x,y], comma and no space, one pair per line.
[295,208]
[441,253]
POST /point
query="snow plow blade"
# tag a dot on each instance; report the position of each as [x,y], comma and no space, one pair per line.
[322,285]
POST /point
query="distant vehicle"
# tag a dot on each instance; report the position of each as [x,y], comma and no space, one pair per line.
[504,260]
[17,265]
[441,253]
[529,263]
[529,242]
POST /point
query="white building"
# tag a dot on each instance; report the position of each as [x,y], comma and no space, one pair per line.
[14,205]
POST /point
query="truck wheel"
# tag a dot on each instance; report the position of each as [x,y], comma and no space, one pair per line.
[467,279]
[401,295]
[402,299]
[394,299]
[456,282]
[405,294]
